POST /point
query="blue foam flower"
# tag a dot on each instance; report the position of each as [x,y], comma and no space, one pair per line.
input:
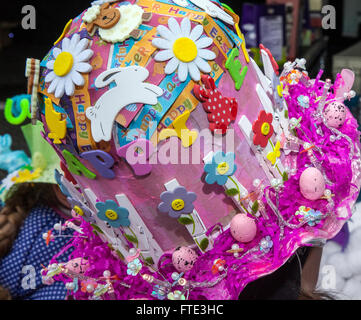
[220,168]
[110,212]
[304,101]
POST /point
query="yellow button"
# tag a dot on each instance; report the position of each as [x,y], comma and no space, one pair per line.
[185,49]
[63,64]
[265,128]
[111,215]
[280,91]
[78,211]
[223,168]
[178,205]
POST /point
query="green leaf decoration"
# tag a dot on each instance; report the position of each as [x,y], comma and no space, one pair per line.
[110,246]
[255,207]
[97,229]
[149,261]
[286,114]
[131,238]
[285,176]
[185,221]
[232,192]
[204,244]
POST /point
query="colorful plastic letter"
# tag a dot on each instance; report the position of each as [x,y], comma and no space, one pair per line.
[101,161]
[234,66]
[76,167]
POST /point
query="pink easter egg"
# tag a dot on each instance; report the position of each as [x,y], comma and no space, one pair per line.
[243,228]
[335,114]
[312,184]
[184,258]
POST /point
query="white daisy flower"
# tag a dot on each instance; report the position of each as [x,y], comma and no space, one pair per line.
[70,61]
[185,48]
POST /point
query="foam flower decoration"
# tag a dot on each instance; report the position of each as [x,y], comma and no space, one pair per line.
[303,101]
[263,129]
[220,168]
[177,202]
[81,210]
[302,212]
[184,47]
[315,216]
[8,182]
[69,64]
[110,212]
[275,154]
[176,295]
[26,176]
[134,267]
[158,292]
[266,244]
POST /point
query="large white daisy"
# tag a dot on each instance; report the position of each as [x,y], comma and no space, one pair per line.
[70,61]
[184,48]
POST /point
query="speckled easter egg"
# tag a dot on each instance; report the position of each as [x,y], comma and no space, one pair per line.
[335,114]
[243,228]
[184,258]
[312,184]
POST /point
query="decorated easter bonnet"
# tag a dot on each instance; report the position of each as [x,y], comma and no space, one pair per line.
[39,167]
[191,172]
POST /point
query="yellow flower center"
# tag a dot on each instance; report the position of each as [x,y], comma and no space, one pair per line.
[185,49]
[178,205]
[223,168]
[63,64]
[111,215]
[78,211]
[265,129]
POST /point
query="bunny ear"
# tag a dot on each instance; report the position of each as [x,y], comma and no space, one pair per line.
[5,141]
[106,78]
[347,81]
[8,140]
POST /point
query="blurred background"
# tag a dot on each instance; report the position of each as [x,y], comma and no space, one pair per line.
[326,33]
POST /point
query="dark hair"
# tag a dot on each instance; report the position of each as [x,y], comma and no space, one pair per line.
[18,203]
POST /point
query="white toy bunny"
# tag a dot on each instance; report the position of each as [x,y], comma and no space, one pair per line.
[130,88]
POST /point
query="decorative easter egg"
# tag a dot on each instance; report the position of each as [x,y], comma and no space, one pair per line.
[243,228]
[312,184]
[335,114]
[184,258]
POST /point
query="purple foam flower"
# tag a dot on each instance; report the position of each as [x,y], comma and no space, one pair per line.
[87,214]
[177,202]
